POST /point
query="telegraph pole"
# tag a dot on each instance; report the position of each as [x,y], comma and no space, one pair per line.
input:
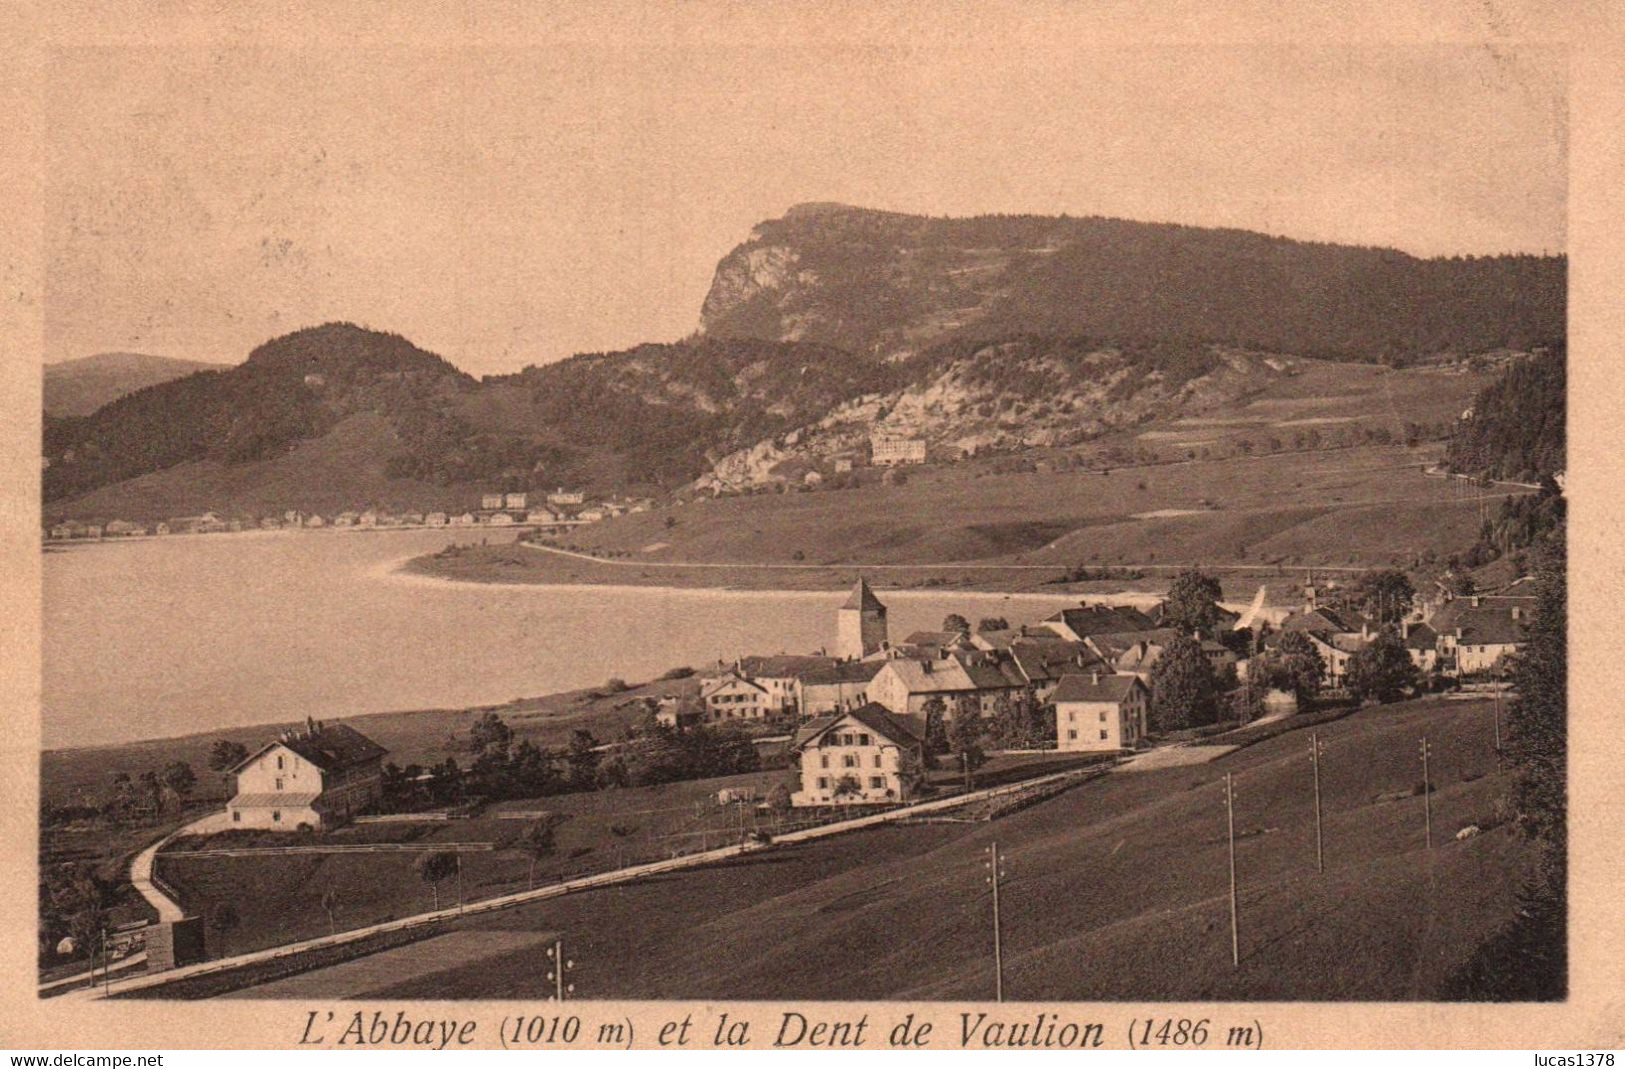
[1497,714]
[561,965]
[459,856]
[995,869]
[1427,794]
[1314,761]
[1230,819]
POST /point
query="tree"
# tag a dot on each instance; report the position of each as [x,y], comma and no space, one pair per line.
[1192,605]
[778,799]
[1184,693]
[1382,670]
[955,622]
[1294,664]
[846,787]
[965,734]
[74,902]
[1537,727]
[582,759]
[536,842]
[179,777]
[992,623]
[1384,594]
[226,755]
[490,736]
[330,906]
[434,866]
[936,727]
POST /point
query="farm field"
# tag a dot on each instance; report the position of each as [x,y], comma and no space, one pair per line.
[279,901]
[1342,508]
[1116,890]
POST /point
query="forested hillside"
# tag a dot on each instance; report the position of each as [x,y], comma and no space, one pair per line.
[79,387]
[1516,427]
[885,283]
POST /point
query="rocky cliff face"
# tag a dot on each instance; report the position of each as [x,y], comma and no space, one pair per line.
[885,285]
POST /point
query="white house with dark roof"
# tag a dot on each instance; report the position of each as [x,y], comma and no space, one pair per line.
[319,777]
[731,696]
[864,756]
[1100,712]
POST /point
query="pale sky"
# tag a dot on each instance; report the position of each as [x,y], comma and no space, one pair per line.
[510,206]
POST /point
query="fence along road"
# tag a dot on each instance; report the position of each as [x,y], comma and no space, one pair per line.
[151,983]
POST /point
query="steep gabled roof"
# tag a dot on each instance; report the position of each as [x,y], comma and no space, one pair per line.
[330,747]
[1117,643]
[1094,687]
[843,672]
[874,716]
[1315,620]
[863,598]
[1089,620]
[1041,662]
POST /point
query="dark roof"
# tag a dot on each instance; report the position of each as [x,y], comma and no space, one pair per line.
[874,716]
[843,672]
[1421,637]
[1315,620]
[1044,661]
[1102,619]
[863,598]
[936,638]
[1094,687]
[1116,643]
[1489,627]
[783,665]
[989,672]
[330,747]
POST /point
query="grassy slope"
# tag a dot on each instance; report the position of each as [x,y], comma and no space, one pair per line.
[1345,507]
[1116,891]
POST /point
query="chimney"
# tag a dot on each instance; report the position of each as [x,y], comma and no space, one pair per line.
[1517,612]
[1094,678]
[310,724]
[1476,601]
[1404,629]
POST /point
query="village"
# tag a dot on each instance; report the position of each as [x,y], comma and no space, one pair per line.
[870,724]
[561,510]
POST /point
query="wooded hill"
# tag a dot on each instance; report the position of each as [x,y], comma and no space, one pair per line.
[1516,428]
[1099,322]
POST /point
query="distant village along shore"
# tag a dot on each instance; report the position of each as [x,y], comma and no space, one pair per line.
[561,510]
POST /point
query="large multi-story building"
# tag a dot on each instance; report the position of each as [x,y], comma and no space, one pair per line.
[886,449]
[318,777]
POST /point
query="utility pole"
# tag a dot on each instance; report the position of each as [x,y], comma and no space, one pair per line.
[995,870]
[459,856]
[1427,793]
[1230,819]
[1497,714]
[107,969]
[964,763]
[561,965]
[1315,750]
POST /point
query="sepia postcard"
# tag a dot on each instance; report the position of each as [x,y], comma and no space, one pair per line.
[843,527]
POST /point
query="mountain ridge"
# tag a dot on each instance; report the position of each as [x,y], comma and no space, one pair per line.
[79,386]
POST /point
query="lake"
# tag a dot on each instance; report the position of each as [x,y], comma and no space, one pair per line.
[169,636]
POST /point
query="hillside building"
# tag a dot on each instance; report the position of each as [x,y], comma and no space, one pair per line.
[1099,712]
[886,450]
[319,777]
[864,756]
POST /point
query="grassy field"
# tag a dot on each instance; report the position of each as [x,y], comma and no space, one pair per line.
[962,525]
[280,900]
[1116,890]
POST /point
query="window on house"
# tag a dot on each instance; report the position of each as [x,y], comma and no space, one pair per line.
[279,783]
[877,782]
[1103,716]
[237,816]
[1103,733]
[849,761]
[863,738]
[877,760]
[276,816]
[823,760]
[823,782]
[1072,734]
[279,761]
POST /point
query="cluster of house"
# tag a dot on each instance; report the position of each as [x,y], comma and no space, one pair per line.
[562,508]
[861,710]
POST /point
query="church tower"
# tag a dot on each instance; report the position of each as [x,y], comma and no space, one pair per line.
[860,624]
